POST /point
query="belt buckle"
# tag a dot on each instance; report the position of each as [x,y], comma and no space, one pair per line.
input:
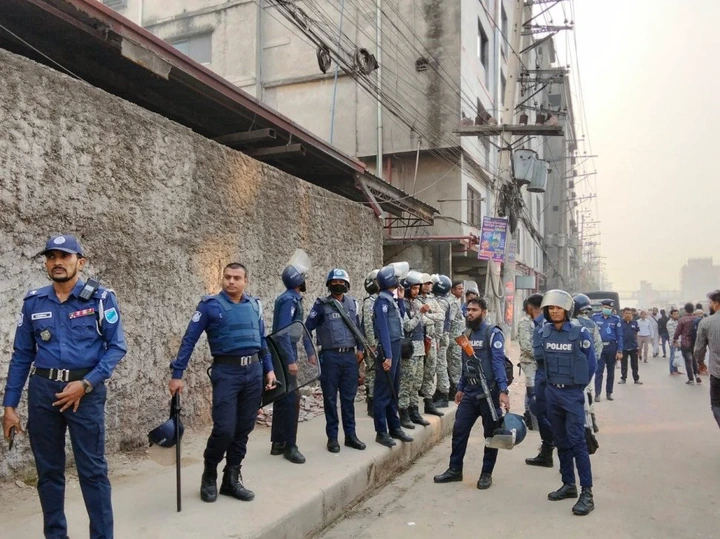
[245,361]
[62,375]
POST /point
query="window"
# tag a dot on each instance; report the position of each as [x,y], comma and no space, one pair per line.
[537,209]
[482,47]
[503,86]
[474,208]
[504,30]
[197,47]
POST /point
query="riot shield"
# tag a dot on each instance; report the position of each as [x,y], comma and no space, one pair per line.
[287,345]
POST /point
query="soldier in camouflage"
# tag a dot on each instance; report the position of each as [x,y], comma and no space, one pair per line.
[372,288]
[411,370]
[528,364]
[441,291]
[457,326]
[436,318]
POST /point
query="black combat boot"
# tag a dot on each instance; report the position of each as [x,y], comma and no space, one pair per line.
[354,442]
[399,434]
[430,408]
[232,484]
[527,417]
[440,401]
[564,492]
[416,418]
[369,406]
[585,504]
[449,475]
[453,391]
[208,483]
[277,448]
[383,438]
[544,458]
[405,419]
[293,454]
[485,481]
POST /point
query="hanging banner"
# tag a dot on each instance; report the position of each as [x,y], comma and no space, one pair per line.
[493,239]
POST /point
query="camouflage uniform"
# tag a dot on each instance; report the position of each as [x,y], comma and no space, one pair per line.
[367,321]
[443,382]
[526,329]
[432,318]
[457,326]
[411,370]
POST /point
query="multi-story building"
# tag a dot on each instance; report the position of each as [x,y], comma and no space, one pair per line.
[698,277]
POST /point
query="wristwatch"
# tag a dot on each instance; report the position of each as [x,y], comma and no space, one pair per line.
[87,385]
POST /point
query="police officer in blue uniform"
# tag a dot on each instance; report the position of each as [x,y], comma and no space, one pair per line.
[286,410]
[69,339]
[340,357]
[489,346]
[387,322]
[235,329]
[538,400]
[569,364]
[610,327]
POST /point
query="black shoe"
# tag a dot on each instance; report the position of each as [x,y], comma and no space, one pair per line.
[208,483]
[405,419]
[598,398]
[564,492]
[485,481]
[622,381]
[232,484]
[450,475]
[690,382]
[697,380]
[544,457]
[277,448]
[610,397]
[354,442]
[441,400]
[369,407]
[383,438]
[585,504]
[594,424]
[333,446]
[638,382]
[293,455]
[416,418]
[527,417]
[398,434]
[430,409]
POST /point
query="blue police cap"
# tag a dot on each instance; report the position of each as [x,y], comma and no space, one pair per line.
[608,302]
[65,243]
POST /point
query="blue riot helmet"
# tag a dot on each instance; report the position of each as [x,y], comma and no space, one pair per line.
[442,286]
[557,298]
[391,275]
[163,438]
[582,304]
[292,277]
[511,432]
[371,285]
[338,274]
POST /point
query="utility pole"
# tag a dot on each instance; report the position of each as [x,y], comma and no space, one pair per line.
[378,53]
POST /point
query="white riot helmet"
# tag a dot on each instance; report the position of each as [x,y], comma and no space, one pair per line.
[557,298]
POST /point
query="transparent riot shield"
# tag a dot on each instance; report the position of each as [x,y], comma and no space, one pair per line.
[292,344]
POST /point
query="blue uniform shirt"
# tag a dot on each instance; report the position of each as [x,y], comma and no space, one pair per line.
[383,311]
[630,331]
[610,328]
[209,314]
[57,335]
[288,309]
[497,356]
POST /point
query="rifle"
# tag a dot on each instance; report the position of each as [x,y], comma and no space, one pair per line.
[464,343]
[361,338]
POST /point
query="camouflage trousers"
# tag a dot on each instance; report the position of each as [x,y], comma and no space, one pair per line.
[369,376]
[454,362]
[443,382]
[411,376]
[429,385]
[529,369]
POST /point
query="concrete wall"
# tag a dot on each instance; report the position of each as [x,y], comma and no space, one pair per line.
[160,211]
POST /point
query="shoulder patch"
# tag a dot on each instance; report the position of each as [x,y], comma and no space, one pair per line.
[111,315]
[586,344]
[196,316]
[385,308]
[498,344]
[20,319]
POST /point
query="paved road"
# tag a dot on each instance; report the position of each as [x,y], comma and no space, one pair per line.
[657,475]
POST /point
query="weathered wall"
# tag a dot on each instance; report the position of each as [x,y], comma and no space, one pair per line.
[160,210]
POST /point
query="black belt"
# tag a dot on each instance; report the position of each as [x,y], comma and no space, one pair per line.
[339,350]
[565,386]
[60,375]
[243,361]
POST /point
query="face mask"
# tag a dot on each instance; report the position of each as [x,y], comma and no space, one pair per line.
[607,312]
[303,288]
[337,289]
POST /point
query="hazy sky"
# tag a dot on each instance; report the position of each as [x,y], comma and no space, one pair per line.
[651,87]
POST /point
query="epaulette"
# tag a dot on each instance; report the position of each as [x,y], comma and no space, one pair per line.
[207,298]
[102,293]
[37,292]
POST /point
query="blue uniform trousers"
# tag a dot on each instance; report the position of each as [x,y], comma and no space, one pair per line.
[339,372]
[566,409]
[237,394]
[46,427]
[385,409]
[606,361]
[286,412]
[539,409]
[470,409]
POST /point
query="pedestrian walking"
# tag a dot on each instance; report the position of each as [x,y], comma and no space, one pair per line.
[654,326]
[699,355]
[235,328]
[611,332]
[663,331]
[708,335]
[684,339]
[672,324]
[630,331]
[645,333]
[69,338]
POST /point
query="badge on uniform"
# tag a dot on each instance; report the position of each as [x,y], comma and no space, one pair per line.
[45,335]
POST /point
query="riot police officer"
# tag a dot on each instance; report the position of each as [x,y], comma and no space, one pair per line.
[286,410]
[610,328]
[69,339]
[235,329]
[387,320]
[372,289]
[489,346]
[340,357]
[569,364]
[582,312]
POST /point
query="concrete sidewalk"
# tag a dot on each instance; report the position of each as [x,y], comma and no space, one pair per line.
[292,501]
